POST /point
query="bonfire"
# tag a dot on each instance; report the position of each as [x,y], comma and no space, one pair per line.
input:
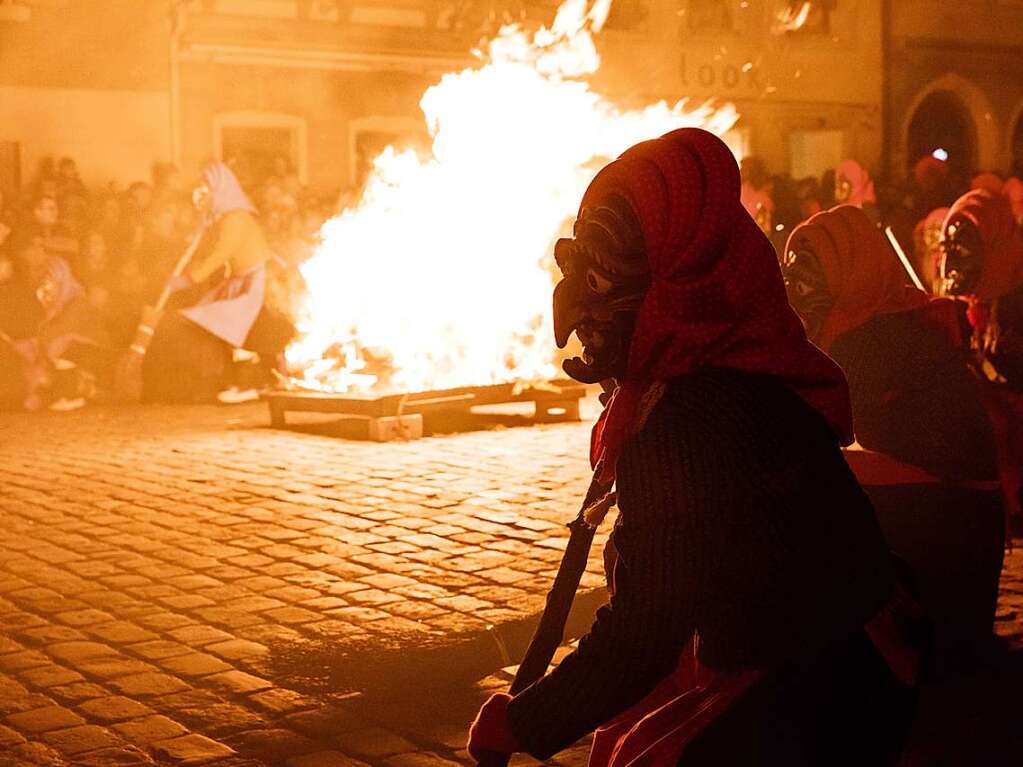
[440,276]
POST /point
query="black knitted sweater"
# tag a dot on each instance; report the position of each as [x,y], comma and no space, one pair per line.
[739,519]
[914,398]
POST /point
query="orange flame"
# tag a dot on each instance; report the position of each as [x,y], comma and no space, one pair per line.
[440,275]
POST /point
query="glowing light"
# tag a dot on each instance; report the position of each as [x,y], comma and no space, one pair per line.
[940,154]
[441,275]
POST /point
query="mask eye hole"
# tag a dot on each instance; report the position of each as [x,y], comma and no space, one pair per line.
[597,283]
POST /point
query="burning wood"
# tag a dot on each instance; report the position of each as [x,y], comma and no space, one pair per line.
[400,416]
[439,276]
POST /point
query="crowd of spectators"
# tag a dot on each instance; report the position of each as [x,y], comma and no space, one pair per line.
[77,266]
[913,208]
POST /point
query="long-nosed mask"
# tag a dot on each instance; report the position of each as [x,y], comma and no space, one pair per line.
[605,279]
[962,258]
[807,287]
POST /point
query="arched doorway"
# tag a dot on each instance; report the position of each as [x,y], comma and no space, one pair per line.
[943,122]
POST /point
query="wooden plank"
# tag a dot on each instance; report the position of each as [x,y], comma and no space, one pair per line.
[457,399]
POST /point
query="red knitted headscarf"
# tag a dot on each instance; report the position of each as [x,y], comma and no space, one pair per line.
[1001,236]
[716,297]
[861,185]
[864,275]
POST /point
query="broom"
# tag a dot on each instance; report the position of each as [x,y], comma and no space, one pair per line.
[128,369]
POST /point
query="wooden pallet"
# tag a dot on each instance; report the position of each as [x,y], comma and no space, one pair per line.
[399,416]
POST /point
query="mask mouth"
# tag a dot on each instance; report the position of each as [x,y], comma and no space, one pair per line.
[605,352]
[572,315]
[590,366]
[958,283]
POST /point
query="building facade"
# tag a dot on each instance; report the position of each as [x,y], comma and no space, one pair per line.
[325,84]
[85,79]
[952,83]
[330,82]
[322,85]
[805,77]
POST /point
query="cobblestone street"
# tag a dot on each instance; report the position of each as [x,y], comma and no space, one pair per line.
[187,586]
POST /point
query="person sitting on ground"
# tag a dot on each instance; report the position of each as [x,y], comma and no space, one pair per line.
[45,214]
[69,182]
[723,434]
[45,318]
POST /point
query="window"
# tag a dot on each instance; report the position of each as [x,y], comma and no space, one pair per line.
[255,144]
[369,136]
[811,152]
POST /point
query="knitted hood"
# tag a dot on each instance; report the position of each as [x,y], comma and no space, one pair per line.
[1002,270]
[863,274]
[226,193]
[716,298]
[862,185]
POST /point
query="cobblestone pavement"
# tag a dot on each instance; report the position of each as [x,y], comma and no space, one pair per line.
[186,586]
[183,585]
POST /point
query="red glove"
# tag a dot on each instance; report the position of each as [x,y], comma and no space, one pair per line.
[491,730]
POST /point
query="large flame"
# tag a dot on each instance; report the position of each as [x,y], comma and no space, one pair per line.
[440,276]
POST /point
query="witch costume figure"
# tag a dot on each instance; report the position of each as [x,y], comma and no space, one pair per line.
[916,401]
[219,304]
[982,265]
[756,617]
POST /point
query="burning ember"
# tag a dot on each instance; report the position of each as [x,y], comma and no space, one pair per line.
[441,275]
